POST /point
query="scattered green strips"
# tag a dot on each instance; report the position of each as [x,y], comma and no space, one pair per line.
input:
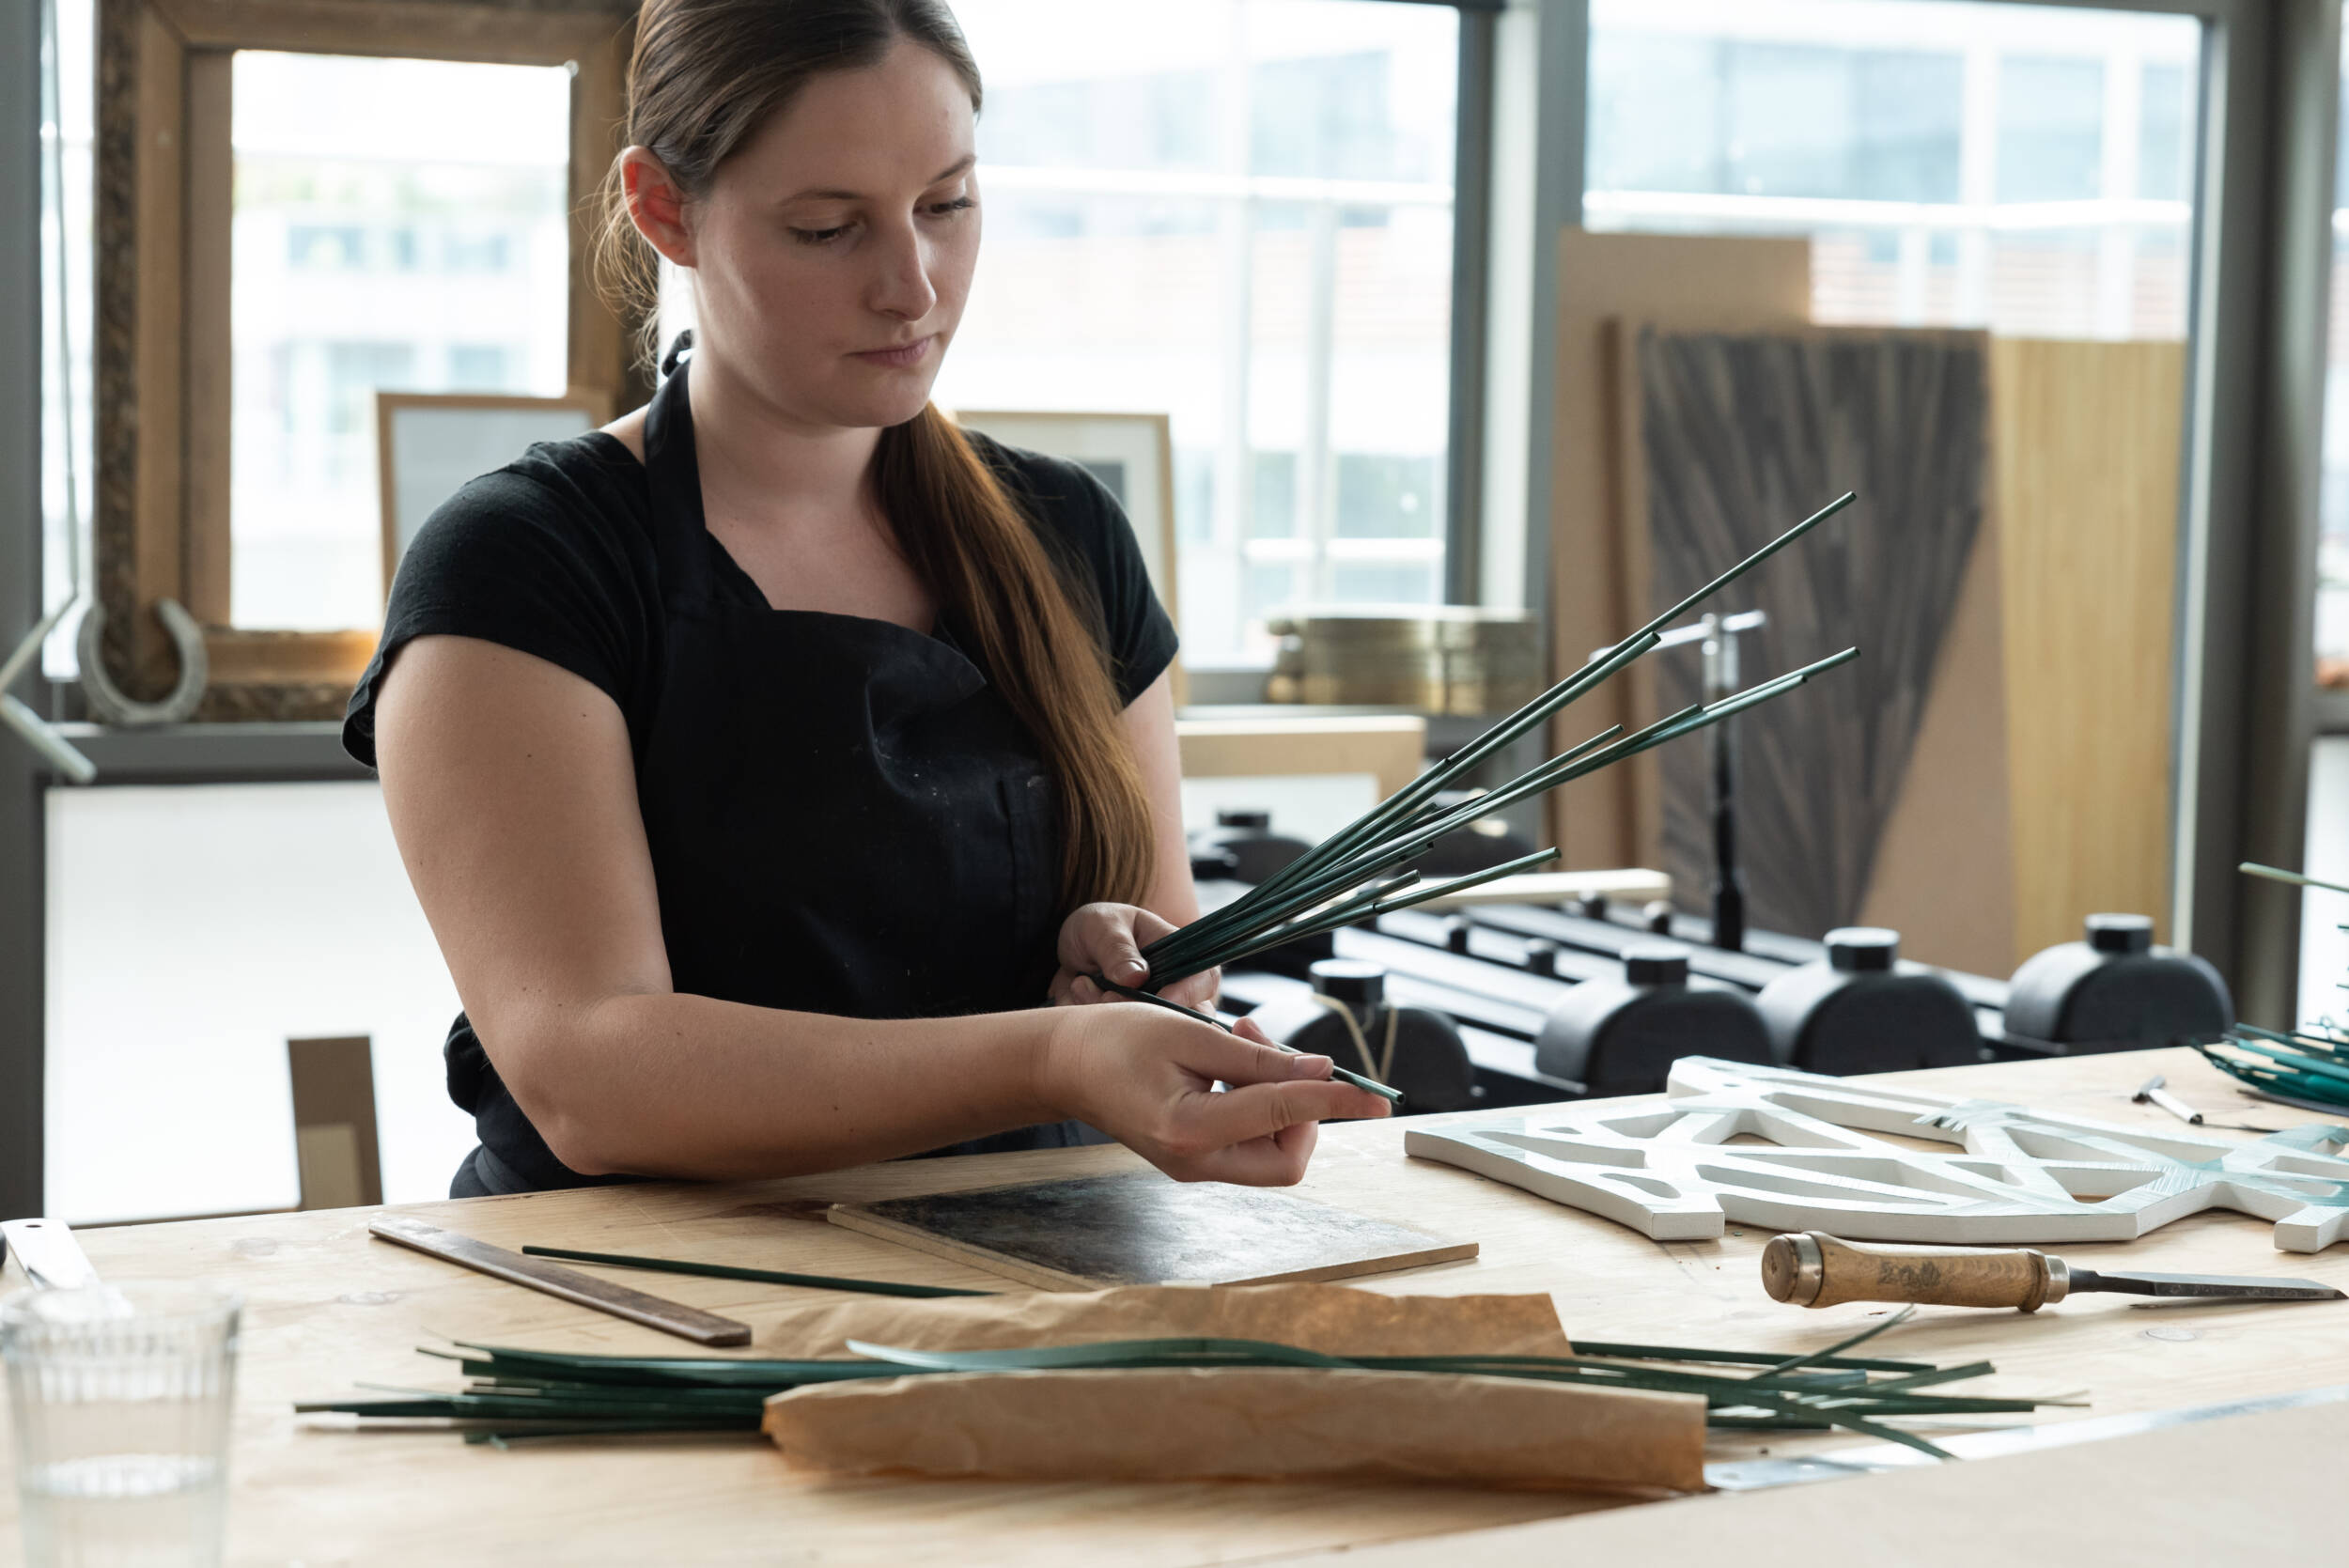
[763,1276]
[1866,1334]
[2304,1065]
[512,1395]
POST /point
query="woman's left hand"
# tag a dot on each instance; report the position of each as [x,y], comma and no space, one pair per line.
[1107,939]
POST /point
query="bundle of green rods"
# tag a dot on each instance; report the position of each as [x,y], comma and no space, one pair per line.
[2302,1065]
[2309,1065]
[517,1395]
[1355,875]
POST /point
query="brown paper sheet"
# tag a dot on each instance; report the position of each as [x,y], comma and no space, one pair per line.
[1334,1320]
[1190,1423]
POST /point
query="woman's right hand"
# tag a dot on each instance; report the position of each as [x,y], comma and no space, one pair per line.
[1146,1076]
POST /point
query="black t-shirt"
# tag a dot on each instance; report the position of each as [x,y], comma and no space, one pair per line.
[787,765]
[554,555]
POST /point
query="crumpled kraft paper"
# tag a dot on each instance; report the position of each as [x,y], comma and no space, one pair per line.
[1334,1320]
[1190,1424]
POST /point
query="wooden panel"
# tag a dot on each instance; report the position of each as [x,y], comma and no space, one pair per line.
[602,344]
[262,657]
[157,203]
[328,1309]
[210,201]
[1944,870]
[335,1133]
[1390,749]
[507,34]
[2086,436]
[1683,280]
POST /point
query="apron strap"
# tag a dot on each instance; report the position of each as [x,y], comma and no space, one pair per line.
[672,476]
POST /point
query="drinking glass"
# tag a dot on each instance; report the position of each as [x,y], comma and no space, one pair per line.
[120,1395]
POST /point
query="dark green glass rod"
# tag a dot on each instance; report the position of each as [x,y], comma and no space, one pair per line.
[762,1276]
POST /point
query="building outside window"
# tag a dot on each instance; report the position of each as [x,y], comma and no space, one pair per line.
[2022,168]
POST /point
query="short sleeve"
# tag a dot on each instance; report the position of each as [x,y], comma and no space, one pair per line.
[528,557]
[1069,498]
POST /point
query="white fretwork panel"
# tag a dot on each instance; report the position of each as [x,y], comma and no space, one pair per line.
[1664,1165]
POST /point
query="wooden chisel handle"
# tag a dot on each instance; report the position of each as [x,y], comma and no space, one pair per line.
[1814,1270]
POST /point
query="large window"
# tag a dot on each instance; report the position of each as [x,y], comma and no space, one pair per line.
[1237,212]
[2023,168]
[2325,916]
[2332,560]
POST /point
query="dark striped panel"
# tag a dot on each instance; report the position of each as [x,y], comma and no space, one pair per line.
[1742,434]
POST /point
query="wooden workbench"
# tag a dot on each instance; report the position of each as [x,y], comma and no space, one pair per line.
[328,1309]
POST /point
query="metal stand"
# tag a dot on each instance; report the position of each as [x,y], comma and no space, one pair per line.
[1720,680]
[1718,636]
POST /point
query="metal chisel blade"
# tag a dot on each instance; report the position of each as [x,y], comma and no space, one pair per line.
[2205,1284]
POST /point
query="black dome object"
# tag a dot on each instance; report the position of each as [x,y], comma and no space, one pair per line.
[1854,1011]
[1621,1036]
[1247,837]
[2116,990]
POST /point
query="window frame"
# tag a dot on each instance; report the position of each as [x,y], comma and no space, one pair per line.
[161,518]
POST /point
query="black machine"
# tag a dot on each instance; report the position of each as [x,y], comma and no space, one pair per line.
[2117,991]
[1541,1002]
[1344,1014]
[1852,1011]
[1621,1035]
[1518,982]
[1243,841]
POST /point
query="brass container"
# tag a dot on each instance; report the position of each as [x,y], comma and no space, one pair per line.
[1438,658]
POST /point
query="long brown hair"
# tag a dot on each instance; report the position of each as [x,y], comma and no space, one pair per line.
[707,74]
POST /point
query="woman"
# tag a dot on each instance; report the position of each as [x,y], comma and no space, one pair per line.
[751,755]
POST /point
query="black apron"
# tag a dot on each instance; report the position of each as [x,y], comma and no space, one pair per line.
[844,814]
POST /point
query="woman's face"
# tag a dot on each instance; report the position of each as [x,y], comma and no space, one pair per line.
[834,251]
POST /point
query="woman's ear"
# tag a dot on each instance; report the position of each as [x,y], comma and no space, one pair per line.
[656,206]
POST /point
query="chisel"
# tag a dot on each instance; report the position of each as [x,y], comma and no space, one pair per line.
[1816,1269]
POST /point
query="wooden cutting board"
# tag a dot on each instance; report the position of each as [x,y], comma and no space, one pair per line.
[1144,1228]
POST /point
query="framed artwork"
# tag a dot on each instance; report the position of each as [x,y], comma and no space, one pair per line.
[163,345]
[428,444]
[1133,457]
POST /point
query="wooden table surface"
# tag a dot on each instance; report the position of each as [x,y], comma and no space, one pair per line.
[328,1309]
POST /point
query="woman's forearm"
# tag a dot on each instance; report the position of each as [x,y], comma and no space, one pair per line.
[668,1085]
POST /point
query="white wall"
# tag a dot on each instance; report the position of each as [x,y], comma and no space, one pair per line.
[193,930]
[2324,946]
